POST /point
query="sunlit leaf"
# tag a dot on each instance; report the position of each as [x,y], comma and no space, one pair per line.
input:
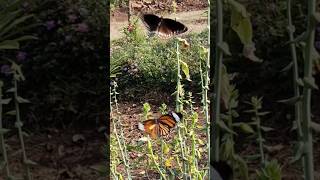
[168,162]
[185,69]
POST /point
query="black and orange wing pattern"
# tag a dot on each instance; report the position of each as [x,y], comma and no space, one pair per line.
[168,121]
[159,127]
[151,126]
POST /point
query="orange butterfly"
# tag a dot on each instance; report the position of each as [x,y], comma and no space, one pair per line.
[161,126]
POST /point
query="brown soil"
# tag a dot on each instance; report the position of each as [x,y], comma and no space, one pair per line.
[58,156]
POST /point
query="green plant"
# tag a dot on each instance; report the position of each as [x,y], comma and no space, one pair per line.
[309,84]
[4,162]
[13,23]
[256,104]
[217,82]
[270,171]
[117,126]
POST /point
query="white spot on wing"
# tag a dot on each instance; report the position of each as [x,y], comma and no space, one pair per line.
[141,126]
[176,117]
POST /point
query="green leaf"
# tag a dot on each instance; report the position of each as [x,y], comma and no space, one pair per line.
[224,48]
[291,101]
[223,126]
[288,67]
[4,131]
[271,170]
[266,129]
[12,113]
[18,124]
[243,167]
[18,71]
[9,44]
[29,162]
[301,37]
[248,52]
[246,128]
[300,82]
[11,90]
[22,100]
[5,101]
[298,153]
[315,126]
[14,24]
[316,16]
[263,113]
[185,69]
[310,83]
[25,134]
[240,22]
[26,37]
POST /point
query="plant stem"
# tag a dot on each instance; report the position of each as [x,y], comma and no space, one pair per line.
[154,160]
[179,108]
[2,141]
[295,74]
[179,77]
[306,103]
[19,125]
[205,93]
[260,138]
[217,81]
[121,142]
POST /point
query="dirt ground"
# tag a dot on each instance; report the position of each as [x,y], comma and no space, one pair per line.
[60,154]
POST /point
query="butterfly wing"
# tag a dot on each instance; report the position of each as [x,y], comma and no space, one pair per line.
[168,120]
[170,27]
[151,21]
[150,126]
[158,127]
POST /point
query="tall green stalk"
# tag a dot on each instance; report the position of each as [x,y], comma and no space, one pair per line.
[295,73]
[217,80]
[2,141]
[306,102]
[179,108]
[205,93]
[120,137]
[260,139]
[19,125]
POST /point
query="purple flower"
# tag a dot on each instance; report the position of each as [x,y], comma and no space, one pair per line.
[21,56]
[72,18]
[6,69]
[50,24]
[82,27]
